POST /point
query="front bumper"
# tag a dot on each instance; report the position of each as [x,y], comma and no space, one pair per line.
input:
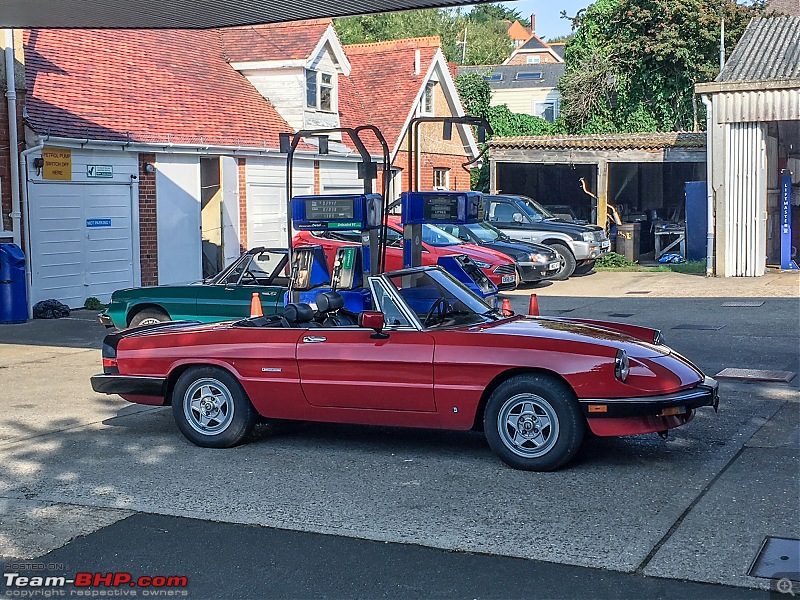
[677,403]
[535,271]
[590,250]
[131,385]
[105,319]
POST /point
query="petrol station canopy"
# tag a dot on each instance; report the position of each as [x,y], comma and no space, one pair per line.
[191,14]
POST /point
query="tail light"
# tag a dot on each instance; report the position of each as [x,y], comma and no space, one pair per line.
[110,365]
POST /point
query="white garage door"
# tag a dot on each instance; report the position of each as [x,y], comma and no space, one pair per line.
[81,241]
[340,178]
[266,198]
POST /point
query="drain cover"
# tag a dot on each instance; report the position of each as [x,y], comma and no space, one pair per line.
[699,327]
[640,292]
[756,375]
[620,315]
[778,558]
[745,304]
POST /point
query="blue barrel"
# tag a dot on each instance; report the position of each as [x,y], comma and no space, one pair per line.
[13,294]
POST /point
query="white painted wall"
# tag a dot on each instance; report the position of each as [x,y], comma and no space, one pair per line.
[340,178]
[229,183]
[521,100]
[285,89]
[178,213]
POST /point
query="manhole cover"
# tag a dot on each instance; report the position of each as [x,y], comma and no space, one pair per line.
[779,558]
[756,375]
[620,315]
[640,292]
[699,326]
[744,304]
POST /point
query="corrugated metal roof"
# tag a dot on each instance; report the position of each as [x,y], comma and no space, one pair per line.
[768,49]
[551,73]
[627,141]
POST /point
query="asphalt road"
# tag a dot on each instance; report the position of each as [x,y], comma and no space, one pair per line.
[409,513]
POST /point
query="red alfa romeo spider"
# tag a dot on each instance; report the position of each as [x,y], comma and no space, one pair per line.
[433,355]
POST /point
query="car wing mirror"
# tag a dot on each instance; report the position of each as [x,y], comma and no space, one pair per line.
[373,320]
[517,218]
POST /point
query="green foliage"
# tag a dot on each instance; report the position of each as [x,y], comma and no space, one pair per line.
[487,37]
[475,94]
[93,303]
[497,12]
[506,123]
[613,260]
[632,64]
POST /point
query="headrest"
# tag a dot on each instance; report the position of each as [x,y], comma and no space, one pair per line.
[329,301]
[298,313]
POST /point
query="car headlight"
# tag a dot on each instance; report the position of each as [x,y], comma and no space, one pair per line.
[538,258]
[482,265]
[621,365]
[658,339]
[587,237]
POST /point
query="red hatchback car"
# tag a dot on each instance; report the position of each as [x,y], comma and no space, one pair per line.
[434,355]
[499,268]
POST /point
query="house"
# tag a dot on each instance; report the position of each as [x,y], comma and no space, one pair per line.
[527,89]
[518,33]
[533,52]
[753,128]
[153,156]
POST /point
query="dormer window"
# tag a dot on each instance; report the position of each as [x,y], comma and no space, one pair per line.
[534,60]
[320,93]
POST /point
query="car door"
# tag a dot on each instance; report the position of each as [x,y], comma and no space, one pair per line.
[345,367]
[230,299]
[510,219]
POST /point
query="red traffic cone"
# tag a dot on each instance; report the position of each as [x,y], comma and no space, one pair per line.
[255,306]
[507,307]
[533,307]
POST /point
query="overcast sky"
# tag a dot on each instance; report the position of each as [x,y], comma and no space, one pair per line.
[549,23]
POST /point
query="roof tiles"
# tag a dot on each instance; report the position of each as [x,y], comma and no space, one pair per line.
[280,41]
[629,141]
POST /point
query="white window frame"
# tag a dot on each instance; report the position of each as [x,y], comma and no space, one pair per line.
[318,91]
[538,105]
[428,98]
[438,174]
[533,60]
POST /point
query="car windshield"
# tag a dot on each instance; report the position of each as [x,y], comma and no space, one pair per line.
[534,210]
[439,301]
[434,236]
[485,232]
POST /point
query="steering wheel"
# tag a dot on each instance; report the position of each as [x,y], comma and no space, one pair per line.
[249,275]
[442,306]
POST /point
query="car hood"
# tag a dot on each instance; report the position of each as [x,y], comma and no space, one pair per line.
[520,250]
[581,333]
[481,253]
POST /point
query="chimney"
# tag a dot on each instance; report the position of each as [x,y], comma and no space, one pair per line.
[533,23]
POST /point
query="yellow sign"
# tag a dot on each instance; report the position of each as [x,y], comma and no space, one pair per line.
[57,163]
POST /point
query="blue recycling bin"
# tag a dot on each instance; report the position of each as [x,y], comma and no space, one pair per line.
[13,294]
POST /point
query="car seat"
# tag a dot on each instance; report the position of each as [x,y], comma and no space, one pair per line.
[330,306]
[299,315]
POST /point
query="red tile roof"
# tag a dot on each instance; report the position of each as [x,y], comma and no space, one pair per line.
[382,85]
[154,85]
[279,41]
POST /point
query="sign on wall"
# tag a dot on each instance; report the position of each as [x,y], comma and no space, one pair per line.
[786,222]
[102,171]
[98,222]
[57,164]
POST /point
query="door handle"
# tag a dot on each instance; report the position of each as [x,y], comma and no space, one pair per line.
[311,339]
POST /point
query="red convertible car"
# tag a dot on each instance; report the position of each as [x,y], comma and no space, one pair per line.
[433,356]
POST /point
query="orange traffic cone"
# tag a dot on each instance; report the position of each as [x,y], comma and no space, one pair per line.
[533,307]
[507,307]
[255,306]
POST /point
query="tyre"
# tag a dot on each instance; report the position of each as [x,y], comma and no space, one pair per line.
[149,316]
[211,409]
[533,423]
[584,268]
[569,261]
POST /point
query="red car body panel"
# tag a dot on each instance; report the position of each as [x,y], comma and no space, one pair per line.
[429,379]
[430,256]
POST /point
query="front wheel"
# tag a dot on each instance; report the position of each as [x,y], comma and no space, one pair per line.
[568,261]
[533,423]
[211,409]
[149,316]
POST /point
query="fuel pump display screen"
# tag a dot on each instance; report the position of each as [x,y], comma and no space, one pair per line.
[334,209]
[441,209]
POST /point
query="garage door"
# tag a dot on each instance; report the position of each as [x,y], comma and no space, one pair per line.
[266,199]
[81,241]
[340,178]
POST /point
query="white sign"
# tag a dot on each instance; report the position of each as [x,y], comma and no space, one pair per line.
[99,171]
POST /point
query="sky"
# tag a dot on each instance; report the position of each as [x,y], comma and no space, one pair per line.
[549,23]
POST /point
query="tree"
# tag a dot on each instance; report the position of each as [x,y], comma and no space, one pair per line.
[497,12]
[632,64]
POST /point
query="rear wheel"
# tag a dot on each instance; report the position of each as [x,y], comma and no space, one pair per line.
[568,264]
[211,409]
[149,316]
[533,423]
[585,267]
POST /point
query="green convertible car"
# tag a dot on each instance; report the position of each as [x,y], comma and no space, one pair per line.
[223,297]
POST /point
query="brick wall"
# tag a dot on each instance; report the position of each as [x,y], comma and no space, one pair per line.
[148,229]
[522,59]
[459,178]
[242,162]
